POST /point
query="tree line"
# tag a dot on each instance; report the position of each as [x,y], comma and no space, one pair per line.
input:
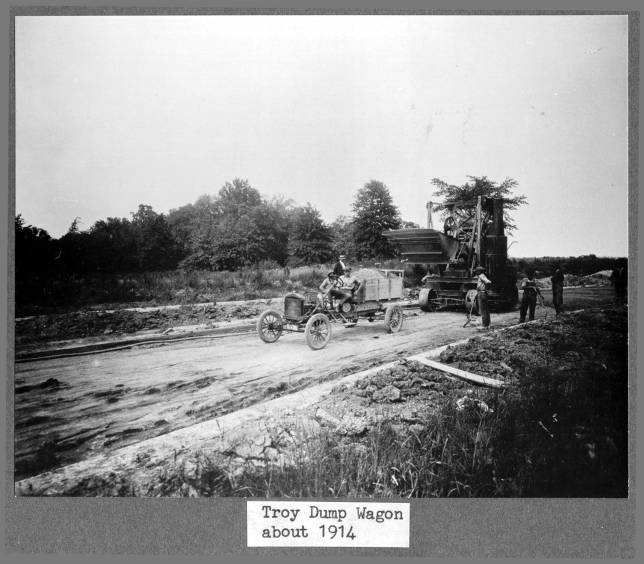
[235,228]
[583,265]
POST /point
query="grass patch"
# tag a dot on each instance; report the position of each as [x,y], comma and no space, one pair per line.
[555,435]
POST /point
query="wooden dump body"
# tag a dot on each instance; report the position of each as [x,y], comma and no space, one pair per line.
[378,288]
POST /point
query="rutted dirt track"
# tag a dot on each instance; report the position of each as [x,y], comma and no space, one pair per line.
[76,407]
[69,409]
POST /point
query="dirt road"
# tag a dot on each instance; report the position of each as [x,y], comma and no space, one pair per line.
[69,409]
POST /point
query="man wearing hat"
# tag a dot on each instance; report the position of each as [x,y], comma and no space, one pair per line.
[327,286]
[339,267]
[482,285]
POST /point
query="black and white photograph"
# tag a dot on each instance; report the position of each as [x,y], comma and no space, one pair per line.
[303,256]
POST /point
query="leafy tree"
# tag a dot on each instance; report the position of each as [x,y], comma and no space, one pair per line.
[237,242]
[192,227]
[374,212]
[237,198]
[343,237]
[35,262]
[200,255]
[113,245]
[155,246]
[75,256]
[482,186]
[73,228]
[273,220]
[310,239]
[234,229]
[182,222]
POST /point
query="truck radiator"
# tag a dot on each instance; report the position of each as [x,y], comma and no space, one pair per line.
[293,307]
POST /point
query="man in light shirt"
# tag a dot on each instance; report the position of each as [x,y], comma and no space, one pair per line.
[326,287]
[350,282]
[350,286]
[482,285]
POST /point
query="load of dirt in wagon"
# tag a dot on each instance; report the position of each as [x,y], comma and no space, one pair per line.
[368,273]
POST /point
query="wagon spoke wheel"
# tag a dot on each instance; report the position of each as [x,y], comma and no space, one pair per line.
[269,326]
[393,319]
[317,331]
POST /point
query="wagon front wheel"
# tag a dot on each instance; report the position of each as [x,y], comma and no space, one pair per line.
[317,331]
[393,319]
[269,326]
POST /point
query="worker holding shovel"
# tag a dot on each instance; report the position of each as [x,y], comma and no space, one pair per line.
[482,285]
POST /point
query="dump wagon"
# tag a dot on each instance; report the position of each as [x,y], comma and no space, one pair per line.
[314,315]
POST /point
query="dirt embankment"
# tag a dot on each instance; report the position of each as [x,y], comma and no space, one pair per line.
[409,390]
[106,322]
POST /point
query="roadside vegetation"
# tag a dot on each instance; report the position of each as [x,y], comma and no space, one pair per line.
[182,287]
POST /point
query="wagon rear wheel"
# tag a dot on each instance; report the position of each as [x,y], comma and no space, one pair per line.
[393,319]
[317,331]
[269,326]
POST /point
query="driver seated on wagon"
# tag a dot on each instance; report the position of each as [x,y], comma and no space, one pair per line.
[348,289]
[328,284]
[338,288]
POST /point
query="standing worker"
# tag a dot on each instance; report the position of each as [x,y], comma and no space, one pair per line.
[619,280]
[530,293]
[482,285]
[339,267]
[557,280]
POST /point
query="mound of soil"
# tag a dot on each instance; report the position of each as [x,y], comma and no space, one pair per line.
[92,323]
[566,343]
[406,393]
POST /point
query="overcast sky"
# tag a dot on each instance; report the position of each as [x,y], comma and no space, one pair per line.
[115,111]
